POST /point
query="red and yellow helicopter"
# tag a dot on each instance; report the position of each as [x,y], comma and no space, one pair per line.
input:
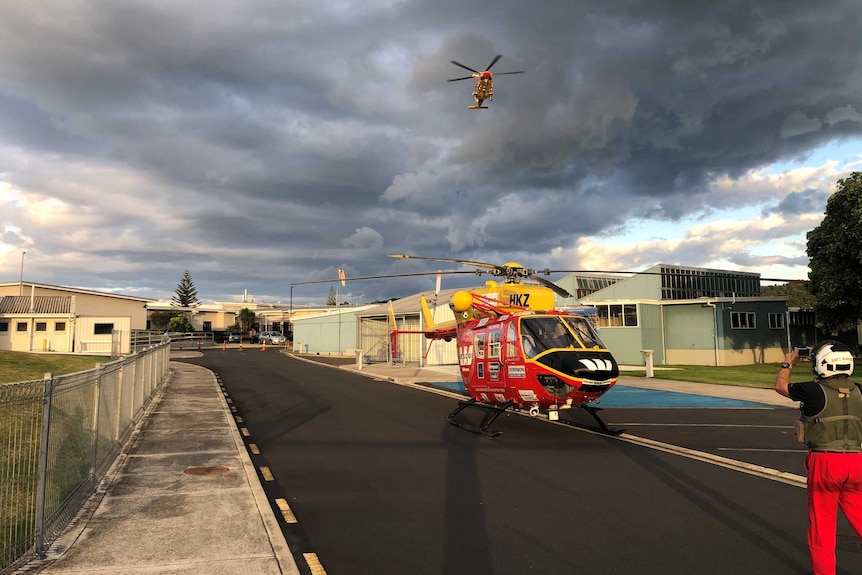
[484,82]
[515,351]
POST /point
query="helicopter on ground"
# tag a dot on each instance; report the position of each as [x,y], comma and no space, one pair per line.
[515,351]
[484,89]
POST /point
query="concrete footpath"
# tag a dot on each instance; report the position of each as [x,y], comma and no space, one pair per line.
[184,497]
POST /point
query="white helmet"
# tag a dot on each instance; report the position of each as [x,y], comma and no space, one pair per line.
[832,358]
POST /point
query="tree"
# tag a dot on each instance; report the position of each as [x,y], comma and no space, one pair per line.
[161,319]
[246,319]
[331,299]
[797,293]
[180,324]
[836,260]
[186,295]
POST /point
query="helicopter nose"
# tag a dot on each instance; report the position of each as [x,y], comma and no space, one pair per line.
[590,365]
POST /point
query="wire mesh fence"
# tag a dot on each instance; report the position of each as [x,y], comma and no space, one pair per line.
[59,436]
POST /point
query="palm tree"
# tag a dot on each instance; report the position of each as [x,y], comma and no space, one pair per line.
[246,319]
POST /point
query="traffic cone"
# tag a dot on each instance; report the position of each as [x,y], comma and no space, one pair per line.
[240,344]
[199,346]
[224,345]
[181,347]
[263,347]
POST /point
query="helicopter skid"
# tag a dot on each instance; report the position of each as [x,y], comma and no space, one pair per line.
[594,412]
[477,107]
[494,411]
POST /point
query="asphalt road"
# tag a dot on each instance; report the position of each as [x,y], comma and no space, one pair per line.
[380,483]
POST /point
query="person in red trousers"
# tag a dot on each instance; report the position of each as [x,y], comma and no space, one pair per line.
[831,427]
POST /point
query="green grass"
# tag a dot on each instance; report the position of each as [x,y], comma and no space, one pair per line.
[22,366]
[759,375]
[20,422]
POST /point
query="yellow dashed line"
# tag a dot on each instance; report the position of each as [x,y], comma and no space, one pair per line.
[314,564]
[238,418]
[233,408]
[286,511]
[244,432]
[267,474]
[229,400]
[253,448]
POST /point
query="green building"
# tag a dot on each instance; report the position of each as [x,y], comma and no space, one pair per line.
[685,316]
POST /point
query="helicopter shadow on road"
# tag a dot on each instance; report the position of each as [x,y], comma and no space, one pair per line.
[467,549]
[716,504]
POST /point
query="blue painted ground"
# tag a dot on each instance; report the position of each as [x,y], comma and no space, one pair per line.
[623,396]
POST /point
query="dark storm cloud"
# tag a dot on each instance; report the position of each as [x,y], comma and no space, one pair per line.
[259,144]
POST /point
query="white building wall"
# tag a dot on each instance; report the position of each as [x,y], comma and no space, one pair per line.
[88,341]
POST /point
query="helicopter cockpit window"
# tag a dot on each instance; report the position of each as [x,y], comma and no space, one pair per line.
[479,346]
[584,331]
[544,333]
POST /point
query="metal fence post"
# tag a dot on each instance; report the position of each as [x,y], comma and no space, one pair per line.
[42,480]
[97,391]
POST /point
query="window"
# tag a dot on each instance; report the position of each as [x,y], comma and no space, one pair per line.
[776,321]
[4,326]
[742,320]
[21,326]
[617,315]
[41,326]
[511,341]
[494,345]
[208,326]
[480,346]
[630,315]
[60,326]
[103,328]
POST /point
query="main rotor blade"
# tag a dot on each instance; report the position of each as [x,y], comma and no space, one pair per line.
[494,61]
[463,66]
[465,262]
[631,273]
[457,79]
[384,277]
[506,73]
[557,289]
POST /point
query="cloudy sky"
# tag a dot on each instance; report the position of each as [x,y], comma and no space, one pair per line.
[260,144]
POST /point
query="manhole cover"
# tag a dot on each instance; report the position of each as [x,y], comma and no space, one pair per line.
[210,470]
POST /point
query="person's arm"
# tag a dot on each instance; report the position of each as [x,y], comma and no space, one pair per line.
[782,380]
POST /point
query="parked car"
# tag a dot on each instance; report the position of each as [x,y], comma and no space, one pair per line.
[234,338]
[271,337]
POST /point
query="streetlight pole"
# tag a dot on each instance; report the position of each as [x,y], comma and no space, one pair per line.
[21,282]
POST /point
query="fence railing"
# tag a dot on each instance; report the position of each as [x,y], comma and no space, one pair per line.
[59,437]
[145,338]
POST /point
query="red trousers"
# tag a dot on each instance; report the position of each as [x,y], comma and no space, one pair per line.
[834,480]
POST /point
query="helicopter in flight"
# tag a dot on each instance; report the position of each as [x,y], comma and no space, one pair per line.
[515,351]
[484,89]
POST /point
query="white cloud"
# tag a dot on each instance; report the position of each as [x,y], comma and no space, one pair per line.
[364,238]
